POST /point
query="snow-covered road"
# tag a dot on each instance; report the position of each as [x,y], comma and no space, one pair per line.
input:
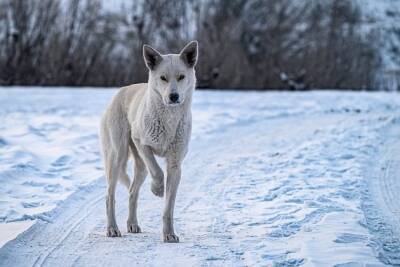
[283,179]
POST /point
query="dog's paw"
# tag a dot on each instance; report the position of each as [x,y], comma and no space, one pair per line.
[134,228]
[112,231]
[157,188]
[171,238]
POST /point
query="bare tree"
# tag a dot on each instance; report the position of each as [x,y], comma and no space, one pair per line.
[26,27]
[244,44]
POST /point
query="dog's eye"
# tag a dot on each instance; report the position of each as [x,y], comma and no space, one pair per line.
[163,78]
[181,77]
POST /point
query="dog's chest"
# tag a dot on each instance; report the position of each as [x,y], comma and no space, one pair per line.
[161,130]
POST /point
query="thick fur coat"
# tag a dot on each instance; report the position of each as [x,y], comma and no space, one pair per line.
[148,120]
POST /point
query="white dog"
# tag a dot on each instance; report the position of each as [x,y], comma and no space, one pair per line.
[150,119]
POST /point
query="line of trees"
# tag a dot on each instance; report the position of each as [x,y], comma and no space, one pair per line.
[254,44]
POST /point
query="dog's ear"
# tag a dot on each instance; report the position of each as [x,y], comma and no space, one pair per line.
[151,57]
[189,54]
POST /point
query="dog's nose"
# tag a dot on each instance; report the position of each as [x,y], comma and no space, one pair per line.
[174,97]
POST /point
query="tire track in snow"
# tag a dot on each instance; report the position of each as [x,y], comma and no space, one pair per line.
[382,200]
[70,227]
[389,181]
[50,236]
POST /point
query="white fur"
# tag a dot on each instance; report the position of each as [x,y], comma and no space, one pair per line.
[142,121]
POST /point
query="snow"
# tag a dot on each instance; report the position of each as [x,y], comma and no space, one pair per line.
[49,148]
[275,178]
[10,231]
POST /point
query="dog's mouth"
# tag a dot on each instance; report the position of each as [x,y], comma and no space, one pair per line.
[174,104]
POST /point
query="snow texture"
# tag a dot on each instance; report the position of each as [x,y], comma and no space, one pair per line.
[284,179]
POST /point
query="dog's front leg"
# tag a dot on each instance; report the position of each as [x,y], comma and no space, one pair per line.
[157,185]
[173,179]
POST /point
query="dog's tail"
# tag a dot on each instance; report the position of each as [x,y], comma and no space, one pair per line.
[124,179]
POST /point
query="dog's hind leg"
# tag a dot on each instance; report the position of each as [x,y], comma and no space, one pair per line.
[112,228]
[112,178]
[117,169]
[140,173]
[116,158]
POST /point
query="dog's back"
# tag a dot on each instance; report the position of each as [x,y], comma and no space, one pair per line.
[127,96]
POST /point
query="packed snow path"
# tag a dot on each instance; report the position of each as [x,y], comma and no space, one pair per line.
[271,178]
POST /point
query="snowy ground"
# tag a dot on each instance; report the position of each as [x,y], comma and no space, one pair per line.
[283,179]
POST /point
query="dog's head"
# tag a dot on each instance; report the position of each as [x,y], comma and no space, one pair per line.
[172,75]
